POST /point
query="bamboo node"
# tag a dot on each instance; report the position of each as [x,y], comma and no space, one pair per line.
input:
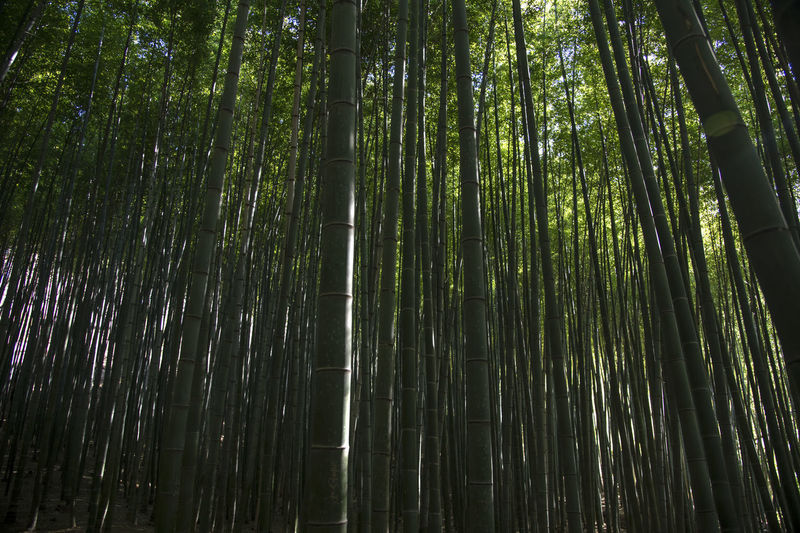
[721,123]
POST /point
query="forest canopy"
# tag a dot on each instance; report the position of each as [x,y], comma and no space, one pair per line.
[350,265]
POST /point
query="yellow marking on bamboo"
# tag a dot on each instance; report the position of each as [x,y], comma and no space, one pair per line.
[705,68]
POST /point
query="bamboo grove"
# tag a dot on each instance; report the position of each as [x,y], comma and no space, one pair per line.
[284,265]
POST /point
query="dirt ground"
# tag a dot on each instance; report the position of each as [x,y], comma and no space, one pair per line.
[54,515]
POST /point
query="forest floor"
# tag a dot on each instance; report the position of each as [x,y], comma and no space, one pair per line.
[54,516]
